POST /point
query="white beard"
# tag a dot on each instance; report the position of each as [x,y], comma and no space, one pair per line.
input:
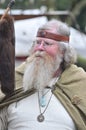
[40,71]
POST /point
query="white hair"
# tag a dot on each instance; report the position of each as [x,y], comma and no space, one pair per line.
[61,28]
[70,56]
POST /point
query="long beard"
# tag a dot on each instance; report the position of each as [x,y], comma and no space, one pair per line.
[40,71]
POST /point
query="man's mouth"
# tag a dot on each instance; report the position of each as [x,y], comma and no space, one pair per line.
[38,54]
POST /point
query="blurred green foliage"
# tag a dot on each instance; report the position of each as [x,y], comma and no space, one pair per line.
[81,62]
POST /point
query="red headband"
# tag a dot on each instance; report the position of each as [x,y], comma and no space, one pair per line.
[45,34]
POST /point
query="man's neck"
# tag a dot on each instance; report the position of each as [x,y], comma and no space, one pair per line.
[58,72]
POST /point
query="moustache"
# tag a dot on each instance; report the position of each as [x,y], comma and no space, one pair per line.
[40,54]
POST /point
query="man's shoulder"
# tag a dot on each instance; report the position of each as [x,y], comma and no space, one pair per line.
[73,83]
[20,69]
[73,78]
[74,72]
[18,94]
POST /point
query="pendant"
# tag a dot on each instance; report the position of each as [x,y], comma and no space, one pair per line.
[40,118]
[43,101]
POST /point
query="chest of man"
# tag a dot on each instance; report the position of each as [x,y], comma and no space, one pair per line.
[23,114]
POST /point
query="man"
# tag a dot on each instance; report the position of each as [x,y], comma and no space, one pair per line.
[50,90]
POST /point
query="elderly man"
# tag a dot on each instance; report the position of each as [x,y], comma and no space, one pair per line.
[50,90]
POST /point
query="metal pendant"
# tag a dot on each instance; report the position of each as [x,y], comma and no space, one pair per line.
[40,118]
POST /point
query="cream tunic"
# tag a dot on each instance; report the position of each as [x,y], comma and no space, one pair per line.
[23,115]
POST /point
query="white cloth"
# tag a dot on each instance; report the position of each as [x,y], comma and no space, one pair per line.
[23,115]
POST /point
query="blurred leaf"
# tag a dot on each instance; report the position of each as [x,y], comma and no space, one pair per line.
[81,62]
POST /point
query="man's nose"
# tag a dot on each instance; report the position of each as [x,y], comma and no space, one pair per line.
[41,46]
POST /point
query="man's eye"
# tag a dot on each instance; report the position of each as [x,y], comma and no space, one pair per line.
[38,42]
[48,44]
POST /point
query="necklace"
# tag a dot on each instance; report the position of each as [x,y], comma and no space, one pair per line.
[42,100]
[40,117]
